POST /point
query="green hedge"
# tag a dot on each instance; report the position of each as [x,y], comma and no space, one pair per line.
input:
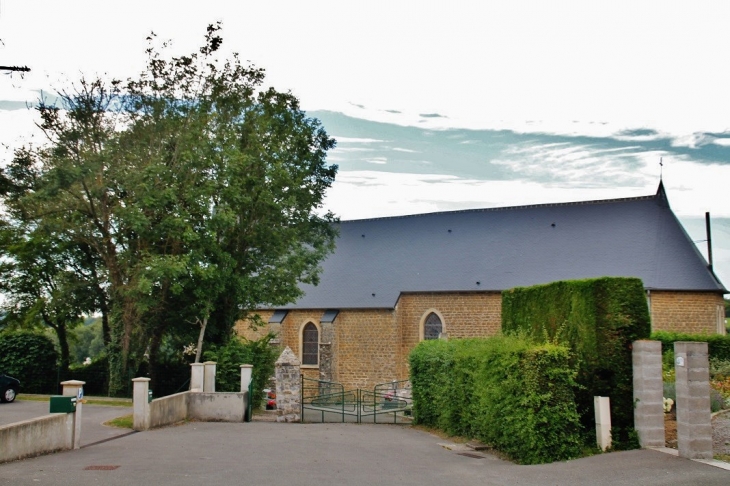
[598,319]
[718,346]
[504,391]
[31,358]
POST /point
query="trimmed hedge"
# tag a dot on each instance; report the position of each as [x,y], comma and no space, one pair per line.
[718,346]
[31,358]
[598,319]
[516,396]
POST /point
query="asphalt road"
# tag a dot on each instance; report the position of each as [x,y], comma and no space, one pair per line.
[197,453]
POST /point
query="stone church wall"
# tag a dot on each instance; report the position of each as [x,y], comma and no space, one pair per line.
[364,347]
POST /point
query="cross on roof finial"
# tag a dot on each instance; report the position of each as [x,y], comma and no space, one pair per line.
[661,168]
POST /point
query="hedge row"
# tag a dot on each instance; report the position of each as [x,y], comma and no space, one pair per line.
[31,358]
[718,346]
[515,396]
[597,319]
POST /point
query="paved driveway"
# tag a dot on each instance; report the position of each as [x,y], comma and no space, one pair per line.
[323,454]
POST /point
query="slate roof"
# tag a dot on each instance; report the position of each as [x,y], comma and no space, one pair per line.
[499,248]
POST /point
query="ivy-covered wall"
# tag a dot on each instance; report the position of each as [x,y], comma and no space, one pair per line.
[597,319]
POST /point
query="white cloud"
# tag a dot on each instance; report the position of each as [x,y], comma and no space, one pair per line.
[367,194]
[355,140]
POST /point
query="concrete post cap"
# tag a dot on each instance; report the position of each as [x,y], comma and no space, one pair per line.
[197,364]
[73,383]
[141,379]
[210,362]
[246,366]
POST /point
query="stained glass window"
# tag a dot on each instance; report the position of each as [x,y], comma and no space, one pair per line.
[432,327]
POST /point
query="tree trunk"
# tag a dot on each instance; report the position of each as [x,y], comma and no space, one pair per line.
[199,349]
[63,344]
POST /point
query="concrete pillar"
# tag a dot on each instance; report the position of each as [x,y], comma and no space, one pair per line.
[602,406]
[209,378]
[694,426]
[141,405]
[75,388]
[246,371]
[648,393]
[288,387]
[196,376]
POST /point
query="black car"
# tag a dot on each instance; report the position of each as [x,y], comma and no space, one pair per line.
[8,388]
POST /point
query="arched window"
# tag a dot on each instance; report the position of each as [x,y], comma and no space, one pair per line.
[310,345]
[432,326]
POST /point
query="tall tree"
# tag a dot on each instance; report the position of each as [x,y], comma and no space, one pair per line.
[198,191]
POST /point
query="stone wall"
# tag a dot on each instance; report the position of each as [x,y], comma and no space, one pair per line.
[690,312]
[364,347]
[464,315]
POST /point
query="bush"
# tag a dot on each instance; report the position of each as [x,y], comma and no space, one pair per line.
[31,358]
[598,319]
[718,346]
[515,396]
[237,351]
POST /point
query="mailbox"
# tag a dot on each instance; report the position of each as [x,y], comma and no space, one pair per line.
[149,396]
[63,404]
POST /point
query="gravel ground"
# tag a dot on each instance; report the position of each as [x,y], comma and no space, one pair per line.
[721,433]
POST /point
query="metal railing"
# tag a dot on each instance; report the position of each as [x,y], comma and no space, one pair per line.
[330,400]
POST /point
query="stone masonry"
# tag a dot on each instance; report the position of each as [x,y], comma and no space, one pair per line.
[364,347]
[690,312]
[288,387]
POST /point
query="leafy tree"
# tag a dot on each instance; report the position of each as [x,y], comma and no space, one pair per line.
[86,341]
[40,285]
[196,192]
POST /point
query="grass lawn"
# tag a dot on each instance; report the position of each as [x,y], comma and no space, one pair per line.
[123,422]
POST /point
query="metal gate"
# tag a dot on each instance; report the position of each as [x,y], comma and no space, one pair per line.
[327,401]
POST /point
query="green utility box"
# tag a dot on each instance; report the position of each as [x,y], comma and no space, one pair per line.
[63,404]
[149,396]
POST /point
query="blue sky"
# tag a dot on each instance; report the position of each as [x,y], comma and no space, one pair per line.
[444,105]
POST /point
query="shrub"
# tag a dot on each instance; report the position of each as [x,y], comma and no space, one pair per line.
[717,402]
[237,351]
[718,346]
[31,358]
[515,396]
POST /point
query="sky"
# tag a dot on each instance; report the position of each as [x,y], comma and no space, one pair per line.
[444,105]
